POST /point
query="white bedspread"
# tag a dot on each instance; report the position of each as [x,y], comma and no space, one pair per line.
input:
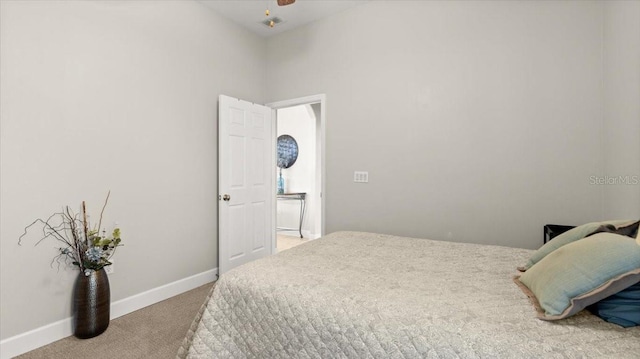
[363,295]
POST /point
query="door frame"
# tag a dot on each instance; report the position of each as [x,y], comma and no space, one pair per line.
[307,100]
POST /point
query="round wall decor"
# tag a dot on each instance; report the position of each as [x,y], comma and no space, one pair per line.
[287,151]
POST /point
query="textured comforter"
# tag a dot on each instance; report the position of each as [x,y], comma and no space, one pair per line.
[363,295]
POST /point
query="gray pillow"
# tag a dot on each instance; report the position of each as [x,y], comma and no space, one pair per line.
[629,231]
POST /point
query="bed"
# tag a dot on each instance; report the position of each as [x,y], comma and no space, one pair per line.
[365,295]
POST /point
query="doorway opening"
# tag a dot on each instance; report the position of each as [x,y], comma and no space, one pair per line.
[299,171]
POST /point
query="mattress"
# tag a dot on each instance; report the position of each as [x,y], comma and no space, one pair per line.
[365,295]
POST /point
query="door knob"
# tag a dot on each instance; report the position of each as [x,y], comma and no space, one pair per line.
[226,197]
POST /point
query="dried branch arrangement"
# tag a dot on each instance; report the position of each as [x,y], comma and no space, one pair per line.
[81,246]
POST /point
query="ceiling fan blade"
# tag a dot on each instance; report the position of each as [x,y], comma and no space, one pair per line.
[285,2]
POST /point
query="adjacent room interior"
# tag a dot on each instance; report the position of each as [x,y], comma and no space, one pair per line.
[299,208]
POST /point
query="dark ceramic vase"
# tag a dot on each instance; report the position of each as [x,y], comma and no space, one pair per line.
[91,304]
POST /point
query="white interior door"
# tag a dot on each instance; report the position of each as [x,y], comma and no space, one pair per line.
[245,188]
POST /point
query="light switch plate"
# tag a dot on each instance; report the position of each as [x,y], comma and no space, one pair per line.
[110,269]
[360,176]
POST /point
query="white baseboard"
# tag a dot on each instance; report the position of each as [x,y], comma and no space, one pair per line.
[35,338]
[155,295]
[50,333]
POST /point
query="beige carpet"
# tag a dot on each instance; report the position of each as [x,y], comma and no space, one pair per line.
[152,332]
[284,242]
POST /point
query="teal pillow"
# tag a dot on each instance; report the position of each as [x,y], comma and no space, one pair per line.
[581,273]
[569,236]
[622,308]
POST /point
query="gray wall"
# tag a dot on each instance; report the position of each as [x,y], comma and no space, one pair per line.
[622,109]
[477,121]
[119,95]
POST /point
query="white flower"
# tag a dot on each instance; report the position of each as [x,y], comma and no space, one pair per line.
[94,254]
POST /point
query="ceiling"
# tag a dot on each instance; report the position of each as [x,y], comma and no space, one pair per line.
[251,13]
